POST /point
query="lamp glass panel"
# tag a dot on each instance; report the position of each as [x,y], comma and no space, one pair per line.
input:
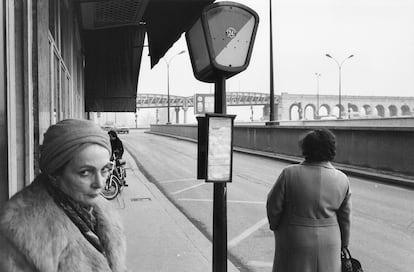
[231,30]
[198,47]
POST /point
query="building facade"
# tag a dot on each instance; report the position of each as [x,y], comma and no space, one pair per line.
[57,62]
[42,81]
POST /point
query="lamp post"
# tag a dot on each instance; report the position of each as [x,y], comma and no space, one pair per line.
[272,92]
[339,67]
[168,83]
[220,45]
[318,75]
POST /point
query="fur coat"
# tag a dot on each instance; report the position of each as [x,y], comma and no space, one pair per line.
[37,235]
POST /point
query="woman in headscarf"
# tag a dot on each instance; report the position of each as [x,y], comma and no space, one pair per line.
[309,209]
[60,222]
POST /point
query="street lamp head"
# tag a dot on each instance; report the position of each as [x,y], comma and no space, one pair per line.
[329,56]
[220,42]
[350,56]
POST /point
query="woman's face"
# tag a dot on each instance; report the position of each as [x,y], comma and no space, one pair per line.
[84,176]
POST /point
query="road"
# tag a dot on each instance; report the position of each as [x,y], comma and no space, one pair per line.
[382,235]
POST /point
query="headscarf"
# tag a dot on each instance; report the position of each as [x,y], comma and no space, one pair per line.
[65,139]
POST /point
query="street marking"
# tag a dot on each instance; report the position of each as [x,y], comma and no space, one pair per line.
[177,180]
[196,199]
[188,188]
[228,201]
[247,233]
[259,264]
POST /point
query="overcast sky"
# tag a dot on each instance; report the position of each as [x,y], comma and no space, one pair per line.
[380,33]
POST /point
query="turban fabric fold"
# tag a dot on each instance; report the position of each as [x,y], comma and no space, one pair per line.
[65,139]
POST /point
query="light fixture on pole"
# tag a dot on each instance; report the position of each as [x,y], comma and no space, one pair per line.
[318,75]
[272,91]
[220,44]
[168,83]
[339,67]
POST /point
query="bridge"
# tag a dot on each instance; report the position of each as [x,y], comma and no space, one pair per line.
[296,106]
[233,99]
[300,106]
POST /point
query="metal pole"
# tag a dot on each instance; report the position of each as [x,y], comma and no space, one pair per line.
[339,68]
[168,93]
[317,94]
[272,92]
[168,83]
[220,195]
[340,94]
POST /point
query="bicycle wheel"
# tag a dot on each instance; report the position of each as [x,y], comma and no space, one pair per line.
[111,189]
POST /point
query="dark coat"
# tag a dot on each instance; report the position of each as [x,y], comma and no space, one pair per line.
[36,235]
[117,147]
[309,210]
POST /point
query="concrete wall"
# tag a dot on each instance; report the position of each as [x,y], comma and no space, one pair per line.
[363,122]
[386,149]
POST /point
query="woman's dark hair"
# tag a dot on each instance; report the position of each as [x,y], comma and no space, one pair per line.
[112,133]
[318,145]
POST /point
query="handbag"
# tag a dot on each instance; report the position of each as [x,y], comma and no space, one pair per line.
[348,263]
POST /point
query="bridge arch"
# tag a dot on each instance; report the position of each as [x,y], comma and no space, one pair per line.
[405,110]
[353,110]
[380,110]
[367,109]
[324,110]
[339,108]
[393,110]
[353,107]
[310,112]
[294,112]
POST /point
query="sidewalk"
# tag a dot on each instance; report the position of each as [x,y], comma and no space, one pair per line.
[159,237]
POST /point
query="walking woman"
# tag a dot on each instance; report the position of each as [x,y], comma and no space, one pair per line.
[60,222]
[309,209]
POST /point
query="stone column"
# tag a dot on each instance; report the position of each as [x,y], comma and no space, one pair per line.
[177,115]
[266,112]
[185,114]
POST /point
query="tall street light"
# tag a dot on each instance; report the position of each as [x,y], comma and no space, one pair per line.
[168,83]
[272,92]
[318,75]
[339,66]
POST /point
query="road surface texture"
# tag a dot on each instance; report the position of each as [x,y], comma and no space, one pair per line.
[382,233]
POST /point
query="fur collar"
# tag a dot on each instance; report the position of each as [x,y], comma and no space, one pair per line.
[41,231]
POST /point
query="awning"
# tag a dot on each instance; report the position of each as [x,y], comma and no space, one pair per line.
[166,20]
[113,58]
[114,33]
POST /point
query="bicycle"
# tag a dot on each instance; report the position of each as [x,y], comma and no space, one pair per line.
[116,180]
